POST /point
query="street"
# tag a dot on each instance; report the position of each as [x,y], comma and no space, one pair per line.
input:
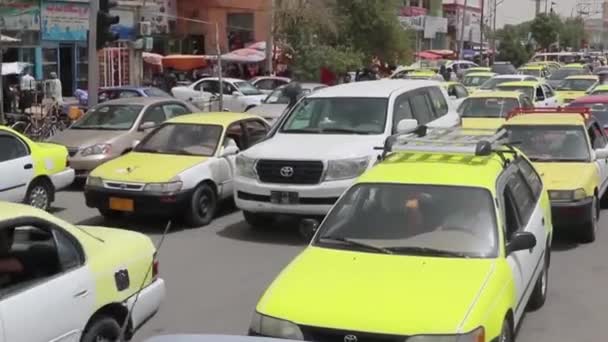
[216,274]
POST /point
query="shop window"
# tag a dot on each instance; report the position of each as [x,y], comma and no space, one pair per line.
[239,30]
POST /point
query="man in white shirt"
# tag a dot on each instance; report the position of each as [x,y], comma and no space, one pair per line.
[54,88]
[27,87]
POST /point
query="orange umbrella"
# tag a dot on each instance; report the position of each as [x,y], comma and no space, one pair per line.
[185,62]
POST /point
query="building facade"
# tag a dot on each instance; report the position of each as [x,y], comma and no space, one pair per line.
[425,18]
[454,11]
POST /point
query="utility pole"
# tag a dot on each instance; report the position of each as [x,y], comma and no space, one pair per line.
[481,50]
[2,114]
[93,66]
[219,67]
[270,39]
[546,7]
[462,26]
[537,7]
[494,31]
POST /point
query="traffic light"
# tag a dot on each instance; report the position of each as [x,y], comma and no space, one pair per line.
[104,21]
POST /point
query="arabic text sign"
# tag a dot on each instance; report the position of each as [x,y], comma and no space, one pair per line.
[65,21]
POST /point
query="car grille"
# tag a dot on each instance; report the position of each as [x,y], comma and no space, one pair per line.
[333,335]
[124,186]
[72,151]
[289,171]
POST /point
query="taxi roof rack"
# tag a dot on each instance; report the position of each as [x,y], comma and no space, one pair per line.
[451,140]
[582,111]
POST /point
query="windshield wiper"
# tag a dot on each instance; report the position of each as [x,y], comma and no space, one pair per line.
[301,130]
[425,251]
[343,130]
[356,243]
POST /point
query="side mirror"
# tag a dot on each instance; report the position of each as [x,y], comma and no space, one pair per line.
[229,151]
[407,126]
[135,143]
[147,125]
[521,241]
[236,93]
[308,228]
[601,153]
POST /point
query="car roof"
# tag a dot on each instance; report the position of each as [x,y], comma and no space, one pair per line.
[532,67]
[512,76]
[492,94]
[547,119]
[227,79]
[375,89]
[582,77]
[574,66]
[10,211]
[591,99]
[436,169]
[144,101]
[480,73]
[216,118]
[520,83]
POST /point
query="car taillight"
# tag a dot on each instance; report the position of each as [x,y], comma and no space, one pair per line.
[155,267]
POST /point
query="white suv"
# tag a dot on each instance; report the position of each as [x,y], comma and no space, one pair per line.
[327,140]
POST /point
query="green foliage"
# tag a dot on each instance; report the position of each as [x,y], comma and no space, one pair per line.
[572,33]
[545,29]
[312,58]
[511,46]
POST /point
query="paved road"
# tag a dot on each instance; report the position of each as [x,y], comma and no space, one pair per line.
[216,274]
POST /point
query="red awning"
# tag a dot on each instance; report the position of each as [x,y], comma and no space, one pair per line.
[185,62]
[428,55]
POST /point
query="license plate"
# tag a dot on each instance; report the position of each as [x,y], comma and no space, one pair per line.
[284,197]
[121,204]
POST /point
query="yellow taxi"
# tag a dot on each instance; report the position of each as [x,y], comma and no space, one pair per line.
[538,71]
[488,110]
[477,69]
[600,89]
[574,87]
[474,80]
[467,270]
[542,94]
[424,74]
[569,148]
[550,65]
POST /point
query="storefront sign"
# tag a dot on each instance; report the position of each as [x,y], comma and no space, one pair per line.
[434,25]
[19,16]
[414,23]
[411,11]
[65,21]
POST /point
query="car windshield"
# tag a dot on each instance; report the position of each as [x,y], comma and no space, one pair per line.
[182,139]
[565,72]
[109,117]
[599,92]
[474,81]
[526,90]
[247,88]
[155,92]
[338,115]
[428,220]
[598,109]
[494,82]
[576,85]
[530,72]
[503,69]
[490,107]
[551,143]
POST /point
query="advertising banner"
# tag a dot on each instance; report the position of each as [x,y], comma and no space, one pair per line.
[18,16]
[65,21]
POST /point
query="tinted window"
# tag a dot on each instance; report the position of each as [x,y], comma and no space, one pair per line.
[402,110]
[112,117]
[565,72]
[266,84]
[208,87]
[11,148]
[596,137]
[235,132]
[416,220]
[599,110]
[438,101]
[522,194]
[503,69]
[540,96]
[491,107]
[128,93]
[182,139]
[421,107]
[247,88]
[256,131]
[474,81]
[174,109]
[277,97]
[576,85]
[531,177]
[548,91]
[461,91]
[67,251]
[155,92]
[551,143]
[154,114]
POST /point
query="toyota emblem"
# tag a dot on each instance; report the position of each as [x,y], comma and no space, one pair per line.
[287,171]
[350,338]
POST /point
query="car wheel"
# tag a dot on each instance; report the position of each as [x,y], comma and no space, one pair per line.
[258,221]
[539,294]
[39,194]
[589,229]
[506,333]
[103,328]
[203,205]
[109,213]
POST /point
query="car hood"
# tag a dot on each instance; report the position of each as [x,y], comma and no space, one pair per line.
[482,123]
[318,146]
[146,167]
[569,94]
[84,137]
[380,293]
[268,110]
[559,176]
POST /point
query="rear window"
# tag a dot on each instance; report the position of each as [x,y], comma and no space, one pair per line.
[155,92]
[487,107]
[598,109]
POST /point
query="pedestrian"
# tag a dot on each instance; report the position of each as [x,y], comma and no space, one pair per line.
[443,72]
[27,86]
[347,78]
[54,89]
[452,75]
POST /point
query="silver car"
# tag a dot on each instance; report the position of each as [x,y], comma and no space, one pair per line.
[276,102]
[110,129]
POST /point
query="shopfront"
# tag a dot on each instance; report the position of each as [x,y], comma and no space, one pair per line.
[21,20]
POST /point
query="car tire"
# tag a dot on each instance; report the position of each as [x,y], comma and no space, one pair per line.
[109,213]
[203,205]
[40,194]
[506,333]
[102,328]
[258,221]
[588,230]
[539,294]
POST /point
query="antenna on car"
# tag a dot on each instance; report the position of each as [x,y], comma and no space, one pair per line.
[125,324]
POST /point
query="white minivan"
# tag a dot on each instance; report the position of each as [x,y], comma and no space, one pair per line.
[327,140]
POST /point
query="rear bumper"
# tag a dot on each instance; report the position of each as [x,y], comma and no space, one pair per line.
[143,203]
[148,303]
[571,212]
[63,179]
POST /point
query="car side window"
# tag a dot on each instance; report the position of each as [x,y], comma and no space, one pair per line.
[596,137]
[526,102]
[67,251]
[173,109]
[12,147]
[540,96]
[511,219]
[531,177]
[522,195]
[127,94]
[229,88]
[154,114]
[256,131]
[438,101]
[235,132]
[461,91]
[421,107]
[548,91]
[266,84]
[278,83]
[401,110]
[210,86]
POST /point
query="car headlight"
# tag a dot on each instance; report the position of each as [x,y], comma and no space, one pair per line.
[245,167]
[96,149]
[473,336]
[167,187]
[346,168]
[567,195]
[274,327]
[94,181]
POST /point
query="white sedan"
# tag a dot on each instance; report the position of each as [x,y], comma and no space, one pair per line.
[239,95]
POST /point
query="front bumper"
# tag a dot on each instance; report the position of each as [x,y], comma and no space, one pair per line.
[148,303]
[84,165]
[143,203]
[62,179]
[254,196]
[569,213]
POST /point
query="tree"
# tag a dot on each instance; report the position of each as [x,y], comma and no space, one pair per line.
[572,33]
[545,29]
[511,46]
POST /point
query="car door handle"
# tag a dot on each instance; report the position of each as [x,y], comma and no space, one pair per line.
[28,166]
[82,294]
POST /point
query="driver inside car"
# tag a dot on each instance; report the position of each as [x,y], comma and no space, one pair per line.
[10,266]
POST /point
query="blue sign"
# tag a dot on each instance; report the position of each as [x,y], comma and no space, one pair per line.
[65,21]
